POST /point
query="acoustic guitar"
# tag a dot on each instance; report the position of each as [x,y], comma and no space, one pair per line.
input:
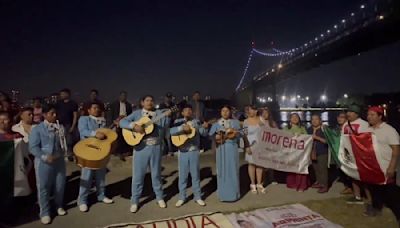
[134,138]
[93,153]
[179,140]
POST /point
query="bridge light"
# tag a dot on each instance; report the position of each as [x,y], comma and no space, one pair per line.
[323,97]
[322,35]
[362,6]
[283,98]
[298,96]
[316,38]
[352,14]
[307,98]
[328,31]
[335,26]
[345,95]
[280,66]
[343,21]
[305,45]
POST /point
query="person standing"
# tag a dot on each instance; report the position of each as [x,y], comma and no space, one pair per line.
[319,154]
[93,98]
[356,125]
[227,156]
[389,147]
[45,143]
[23,164]
[168,103]
[118,110]
[256,173]
[147,152]
[199,112]
[188,158]
[87,126]
[300,182]
[67,113]
[37,110]
[341,119]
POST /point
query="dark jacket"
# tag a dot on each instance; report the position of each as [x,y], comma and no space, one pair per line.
[114,111]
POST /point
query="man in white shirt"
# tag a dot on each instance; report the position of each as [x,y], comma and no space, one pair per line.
[356,125]
[389,145]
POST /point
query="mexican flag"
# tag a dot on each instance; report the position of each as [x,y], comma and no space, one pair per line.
[358,156]
[6,171]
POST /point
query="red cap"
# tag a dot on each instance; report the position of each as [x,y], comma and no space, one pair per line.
[377,109]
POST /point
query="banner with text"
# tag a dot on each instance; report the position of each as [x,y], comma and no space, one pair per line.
[295,215]
[282,150]
[205,220]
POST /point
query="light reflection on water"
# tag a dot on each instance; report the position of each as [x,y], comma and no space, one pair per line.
[328,118]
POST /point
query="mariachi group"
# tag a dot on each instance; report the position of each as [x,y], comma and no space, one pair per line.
[144,130]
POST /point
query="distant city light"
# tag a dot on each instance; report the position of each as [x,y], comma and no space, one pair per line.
[381,17]
[307,98]
[323,97]
[343,21]
[280,66]
[328,31]
[345,95]
[283,98]
[362,6]
[352,14]
[293,99]
[335,26]
[298,96]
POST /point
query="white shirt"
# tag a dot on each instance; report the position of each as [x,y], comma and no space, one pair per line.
[359,126]
[386,136]
[122,109]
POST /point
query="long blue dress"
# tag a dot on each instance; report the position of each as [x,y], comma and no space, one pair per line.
[228,187]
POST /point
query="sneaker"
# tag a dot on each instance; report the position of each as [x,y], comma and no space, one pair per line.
[323,190]
[179,203]
[201,202]
[61,211]
[355,200]
[261,189]
[253,188]
[347,191]
[134,208]
[371,211]
[83,208]
[45,220]
[162,204]
[107,200]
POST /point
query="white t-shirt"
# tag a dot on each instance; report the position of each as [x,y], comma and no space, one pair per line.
[359,126]
[386,136]
[122,109]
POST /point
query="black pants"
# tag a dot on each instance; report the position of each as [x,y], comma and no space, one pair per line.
[388,195]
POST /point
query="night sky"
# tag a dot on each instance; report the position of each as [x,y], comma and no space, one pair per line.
[180,46]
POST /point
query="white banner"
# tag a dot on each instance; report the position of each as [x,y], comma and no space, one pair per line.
[295,215]
[204,220]
[281,150]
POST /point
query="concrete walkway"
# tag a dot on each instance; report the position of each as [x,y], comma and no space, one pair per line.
[119,185]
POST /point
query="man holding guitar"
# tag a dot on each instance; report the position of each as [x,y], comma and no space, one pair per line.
[189,153]
[87,126]
[148,150]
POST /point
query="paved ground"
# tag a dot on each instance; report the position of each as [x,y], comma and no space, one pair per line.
[119,182]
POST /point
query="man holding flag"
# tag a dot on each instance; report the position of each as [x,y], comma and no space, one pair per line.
[355,125]
[389,148]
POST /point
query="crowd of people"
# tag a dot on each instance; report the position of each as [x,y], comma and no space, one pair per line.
[50,132]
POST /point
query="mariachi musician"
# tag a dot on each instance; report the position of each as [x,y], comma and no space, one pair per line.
[189,154]
[87,126]
[147,152]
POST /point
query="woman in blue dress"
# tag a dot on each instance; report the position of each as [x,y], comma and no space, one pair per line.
[228,187]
